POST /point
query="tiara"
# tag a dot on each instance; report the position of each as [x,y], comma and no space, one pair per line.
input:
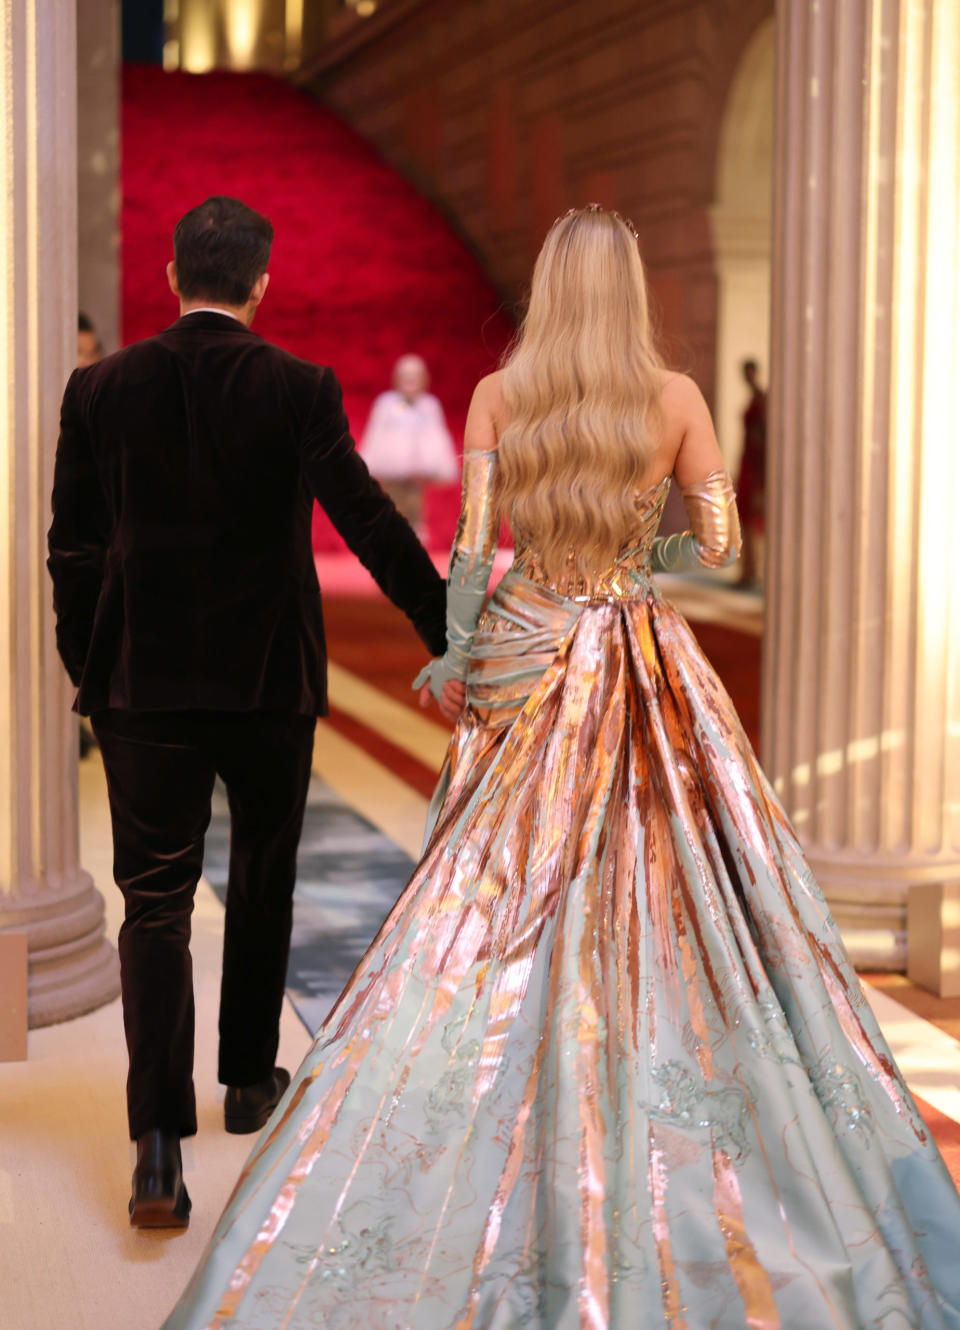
[597,207]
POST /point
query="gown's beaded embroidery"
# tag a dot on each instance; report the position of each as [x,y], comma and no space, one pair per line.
[839,1090]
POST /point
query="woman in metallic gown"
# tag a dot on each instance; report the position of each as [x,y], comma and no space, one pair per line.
[606,1063]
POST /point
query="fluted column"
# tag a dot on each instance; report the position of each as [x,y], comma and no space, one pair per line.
[861,671]
[43,889]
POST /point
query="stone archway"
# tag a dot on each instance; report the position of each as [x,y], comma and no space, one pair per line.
[741,225]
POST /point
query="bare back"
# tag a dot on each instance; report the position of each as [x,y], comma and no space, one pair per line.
[688,448]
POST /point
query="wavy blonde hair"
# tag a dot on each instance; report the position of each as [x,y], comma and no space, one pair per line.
[581,390]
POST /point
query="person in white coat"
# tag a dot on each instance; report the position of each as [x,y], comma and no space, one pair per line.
[406,443]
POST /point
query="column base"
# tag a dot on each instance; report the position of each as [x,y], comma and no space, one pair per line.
[868,897]
[72,968]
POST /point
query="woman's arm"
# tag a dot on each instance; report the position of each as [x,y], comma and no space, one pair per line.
[474,548]
[367,520]
[688,418]
[708,495]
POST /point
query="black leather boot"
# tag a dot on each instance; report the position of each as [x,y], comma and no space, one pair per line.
[247,1107]
[159,1198]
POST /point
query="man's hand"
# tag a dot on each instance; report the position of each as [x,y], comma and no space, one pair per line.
[452,700]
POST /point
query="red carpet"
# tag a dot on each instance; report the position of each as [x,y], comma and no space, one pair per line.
[363,269]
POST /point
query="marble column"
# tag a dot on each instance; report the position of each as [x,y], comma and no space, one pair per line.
[861,681]
[43,890]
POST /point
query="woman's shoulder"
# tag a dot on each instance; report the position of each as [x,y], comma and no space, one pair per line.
[485,418]
[679,391]
[489,389]
[682,404]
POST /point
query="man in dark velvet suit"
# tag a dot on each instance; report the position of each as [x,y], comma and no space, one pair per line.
[189,619]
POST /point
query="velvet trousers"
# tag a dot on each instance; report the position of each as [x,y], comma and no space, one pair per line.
[161,768]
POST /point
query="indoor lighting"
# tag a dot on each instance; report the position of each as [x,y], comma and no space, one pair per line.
[855,753]
[198,39]
[243,27]
[293,32]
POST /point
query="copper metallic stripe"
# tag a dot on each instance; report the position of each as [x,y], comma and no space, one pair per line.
[594,1293]
[282,1207]
[751,1278]
[385,1003]
[657,1184]
[505,1002]
[508,1180]
[691,977]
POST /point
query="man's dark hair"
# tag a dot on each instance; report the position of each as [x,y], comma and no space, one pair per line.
[220,249]
[750,364]
[85,323]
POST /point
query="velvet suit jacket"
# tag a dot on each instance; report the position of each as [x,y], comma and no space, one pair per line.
[180,546]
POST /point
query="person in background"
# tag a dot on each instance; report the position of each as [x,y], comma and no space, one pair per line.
[406,443]
[89,346]
[751,482]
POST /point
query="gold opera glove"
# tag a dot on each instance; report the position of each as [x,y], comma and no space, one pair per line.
[471,562]
[714,541]
[712,508]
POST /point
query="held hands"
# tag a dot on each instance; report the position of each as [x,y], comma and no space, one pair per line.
[440,679]
[471,561]
[452,699]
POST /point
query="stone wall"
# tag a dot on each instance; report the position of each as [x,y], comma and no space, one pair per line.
[508,112]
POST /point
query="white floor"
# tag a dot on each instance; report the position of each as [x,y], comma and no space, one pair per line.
[69,1259]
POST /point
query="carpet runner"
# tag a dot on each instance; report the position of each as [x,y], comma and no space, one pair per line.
[348,876]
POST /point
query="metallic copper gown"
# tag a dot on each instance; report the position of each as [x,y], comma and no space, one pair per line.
[606,1063]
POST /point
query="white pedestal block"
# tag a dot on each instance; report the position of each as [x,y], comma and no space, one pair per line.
[933,938]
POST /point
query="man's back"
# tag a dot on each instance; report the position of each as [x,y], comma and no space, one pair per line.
[188,616]
[186,471]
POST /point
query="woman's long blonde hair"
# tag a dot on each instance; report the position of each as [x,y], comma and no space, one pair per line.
[581,388]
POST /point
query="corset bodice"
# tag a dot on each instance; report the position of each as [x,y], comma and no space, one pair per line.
[626,577]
